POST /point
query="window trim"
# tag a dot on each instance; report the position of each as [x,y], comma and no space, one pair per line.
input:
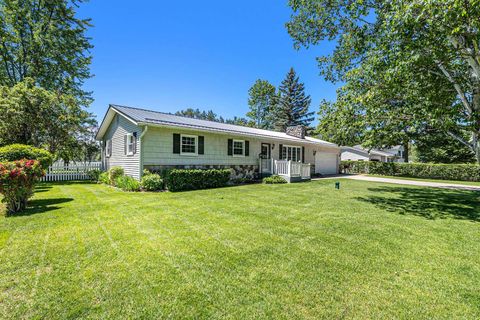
[108,148]
[291,146]
[243,149]
[130,142]
[192,154]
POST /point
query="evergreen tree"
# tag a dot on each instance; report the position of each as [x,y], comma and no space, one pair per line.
[293,104]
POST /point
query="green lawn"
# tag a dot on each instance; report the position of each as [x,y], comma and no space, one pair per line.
[305,250]
[467,183]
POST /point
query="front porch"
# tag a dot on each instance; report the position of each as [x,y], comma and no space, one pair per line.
[292,171]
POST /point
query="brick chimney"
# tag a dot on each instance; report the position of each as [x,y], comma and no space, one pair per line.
[296,131]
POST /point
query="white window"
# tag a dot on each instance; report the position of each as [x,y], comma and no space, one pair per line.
[188,145]
[292,153]
[108,148]
[130,144]
[238,148]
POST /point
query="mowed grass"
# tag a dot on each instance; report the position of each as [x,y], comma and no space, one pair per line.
[466,183]
[306,250]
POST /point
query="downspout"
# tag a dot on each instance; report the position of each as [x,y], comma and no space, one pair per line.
[145,129]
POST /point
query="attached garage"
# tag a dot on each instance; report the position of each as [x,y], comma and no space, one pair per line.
[326,163]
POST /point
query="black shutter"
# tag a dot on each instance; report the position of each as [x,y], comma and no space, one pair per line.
[230,147]
[280,148]
[134,143]
[125,144]
[303,154]
[247,148]
[176,143]
[201,145]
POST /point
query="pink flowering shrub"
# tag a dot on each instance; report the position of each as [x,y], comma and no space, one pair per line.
[17,180]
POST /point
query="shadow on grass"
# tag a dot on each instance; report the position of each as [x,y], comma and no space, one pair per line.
[430,203]
[41,206]
[42,188]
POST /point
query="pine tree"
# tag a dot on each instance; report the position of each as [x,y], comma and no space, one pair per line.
[293,104]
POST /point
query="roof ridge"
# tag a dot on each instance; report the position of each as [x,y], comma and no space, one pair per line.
[181,116]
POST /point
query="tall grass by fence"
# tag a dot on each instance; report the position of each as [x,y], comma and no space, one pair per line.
[60,171]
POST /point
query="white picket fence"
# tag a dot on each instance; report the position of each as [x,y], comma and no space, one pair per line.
[59,171]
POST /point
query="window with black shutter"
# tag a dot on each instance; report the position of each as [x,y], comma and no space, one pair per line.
[201,145]
[230,147]
[176,143]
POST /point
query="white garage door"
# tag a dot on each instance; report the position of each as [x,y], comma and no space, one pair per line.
[326,163]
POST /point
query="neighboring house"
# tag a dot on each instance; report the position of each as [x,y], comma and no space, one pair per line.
[358,153]
[137,139]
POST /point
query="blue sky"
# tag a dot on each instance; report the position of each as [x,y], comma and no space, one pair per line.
[170,55]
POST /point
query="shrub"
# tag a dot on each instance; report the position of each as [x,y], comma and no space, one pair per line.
[462,172]
[151,182]
[94,174]
[274,180]
[103,178]
[127,183]
[21,151]
[180,179]
[114,173]
[17,180]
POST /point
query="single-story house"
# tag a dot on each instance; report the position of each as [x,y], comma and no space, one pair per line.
[358,153]
[137,139]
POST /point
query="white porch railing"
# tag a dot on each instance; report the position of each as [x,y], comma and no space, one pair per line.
[292,169]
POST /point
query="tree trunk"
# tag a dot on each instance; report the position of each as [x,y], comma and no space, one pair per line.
[476,147]
[406,150]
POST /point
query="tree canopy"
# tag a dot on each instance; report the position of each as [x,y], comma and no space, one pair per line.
[406,65]
[262,102]
[44,61]
[35,116]
[45,41]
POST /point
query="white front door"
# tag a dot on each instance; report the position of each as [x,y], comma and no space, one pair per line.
[326,163]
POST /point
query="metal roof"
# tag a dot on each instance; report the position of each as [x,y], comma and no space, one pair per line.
[149,117]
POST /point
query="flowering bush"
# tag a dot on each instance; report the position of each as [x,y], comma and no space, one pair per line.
[17,180]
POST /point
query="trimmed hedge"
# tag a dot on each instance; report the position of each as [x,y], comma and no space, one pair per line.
[275,179]
[461,172]
[151,182]
[15,152]
[186,179]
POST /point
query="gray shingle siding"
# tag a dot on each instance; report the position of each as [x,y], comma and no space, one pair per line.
[117,130]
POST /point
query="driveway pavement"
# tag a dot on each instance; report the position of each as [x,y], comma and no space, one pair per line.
[444,185]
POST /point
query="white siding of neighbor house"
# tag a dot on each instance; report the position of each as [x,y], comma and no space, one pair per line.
[117,130]
[157,147]
[354,156]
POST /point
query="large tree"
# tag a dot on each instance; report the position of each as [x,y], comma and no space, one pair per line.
[413,64]
[44,61]
[35,116]
[262,99]
[45,41]
[293,104]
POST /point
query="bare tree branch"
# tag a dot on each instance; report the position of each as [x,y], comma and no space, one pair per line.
[461,140]
[457,87]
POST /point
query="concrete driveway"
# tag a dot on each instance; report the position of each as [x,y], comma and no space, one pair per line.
[444,185]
